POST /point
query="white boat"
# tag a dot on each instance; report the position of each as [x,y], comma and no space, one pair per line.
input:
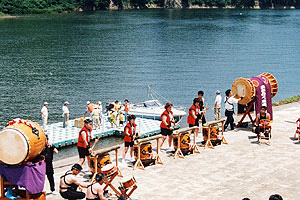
[152,109]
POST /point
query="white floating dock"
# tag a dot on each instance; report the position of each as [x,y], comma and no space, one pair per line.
[60,136]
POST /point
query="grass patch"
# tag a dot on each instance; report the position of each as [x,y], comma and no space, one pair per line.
[1,14]
[287,101]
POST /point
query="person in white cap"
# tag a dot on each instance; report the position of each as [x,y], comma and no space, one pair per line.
[44,112]
[99,105]
[217,107]
[66,114]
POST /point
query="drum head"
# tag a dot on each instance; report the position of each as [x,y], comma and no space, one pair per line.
[107,167]
[13,146]
[242,87]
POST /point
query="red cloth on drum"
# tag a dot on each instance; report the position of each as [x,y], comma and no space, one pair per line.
[88,137]
[30,176]
[128,138]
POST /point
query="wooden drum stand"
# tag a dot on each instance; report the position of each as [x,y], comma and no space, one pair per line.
[138,164]
[209,126]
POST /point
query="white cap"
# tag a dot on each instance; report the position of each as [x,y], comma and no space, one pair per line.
[88,102]
[99,102]
[45,103]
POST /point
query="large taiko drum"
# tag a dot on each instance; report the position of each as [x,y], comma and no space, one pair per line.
[145,151]
[21,141]
[214,132]
[102,160]
[244,87]
[185,141]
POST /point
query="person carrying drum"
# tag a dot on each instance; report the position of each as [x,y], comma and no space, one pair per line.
[201,116]
[260,117]
[192,117]
[166,126]
[69,184]
[84,141]
[95,190]
[130,134]
[229,109]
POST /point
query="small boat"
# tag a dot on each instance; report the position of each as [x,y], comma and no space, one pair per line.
[152,109]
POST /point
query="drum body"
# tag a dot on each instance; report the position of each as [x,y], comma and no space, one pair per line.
[109,169]
[146,152]
[128,182]
[244,87]
[214,132]
[185,141]
[21,141]
[273,83]
[102,161]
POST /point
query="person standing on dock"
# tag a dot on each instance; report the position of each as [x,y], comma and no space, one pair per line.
[84,141]
[90,108]
[66,114]
[126,108]
[229,109]
[166,126]
[99,105]
[202,107]
[44,112]
[130,134]
[217,107]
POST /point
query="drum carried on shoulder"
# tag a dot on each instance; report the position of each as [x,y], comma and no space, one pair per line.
[21,141]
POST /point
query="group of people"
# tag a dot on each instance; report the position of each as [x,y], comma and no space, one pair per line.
[116,113]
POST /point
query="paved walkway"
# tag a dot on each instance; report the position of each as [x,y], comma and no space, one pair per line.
[243,168]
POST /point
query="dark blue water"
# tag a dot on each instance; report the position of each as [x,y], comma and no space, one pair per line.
[109,55]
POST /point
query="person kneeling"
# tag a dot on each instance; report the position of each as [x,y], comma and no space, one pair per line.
[69,184]
[261,118]
[95,190]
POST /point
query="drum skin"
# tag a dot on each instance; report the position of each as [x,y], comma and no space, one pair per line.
[214,132]
[185,141]
[243,87]
[102,161]
[18,142]
[146,151]
[109,169]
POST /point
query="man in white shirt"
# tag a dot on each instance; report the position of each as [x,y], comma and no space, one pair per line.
[44,112]
[217,107]
[66,114]
[229,109]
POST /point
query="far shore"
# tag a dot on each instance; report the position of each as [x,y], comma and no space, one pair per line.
[8,16]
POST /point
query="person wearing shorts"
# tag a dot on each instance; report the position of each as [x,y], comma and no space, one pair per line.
[166,126]
[84,141]
[130,134]
[192,119]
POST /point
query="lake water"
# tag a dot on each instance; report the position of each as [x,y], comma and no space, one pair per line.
[109,55]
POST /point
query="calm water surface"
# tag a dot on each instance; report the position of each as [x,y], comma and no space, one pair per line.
[109,55]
